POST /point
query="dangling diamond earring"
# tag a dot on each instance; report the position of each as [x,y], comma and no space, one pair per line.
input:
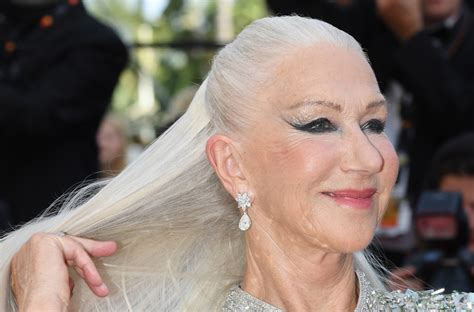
[244,202]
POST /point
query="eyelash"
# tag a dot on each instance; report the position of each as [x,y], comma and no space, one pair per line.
[323,125]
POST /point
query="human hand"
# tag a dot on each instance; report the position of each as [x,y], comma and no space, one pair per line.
[403,278]
[403,17]
[39,270]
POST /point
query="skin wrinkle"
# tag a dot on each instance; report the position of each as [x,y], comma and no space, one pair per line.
[259,275]
[307,215]
[300,244]
[285,234]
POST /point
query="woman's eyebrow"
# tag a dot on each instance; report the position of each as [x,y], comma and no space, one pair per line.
[376,104]
[310,102]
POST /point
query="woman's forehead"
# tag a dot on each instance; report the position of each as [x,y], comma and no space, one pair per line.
[328,74]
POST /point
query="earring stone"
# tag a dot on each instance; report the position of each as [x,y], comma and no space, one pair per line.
[244,201]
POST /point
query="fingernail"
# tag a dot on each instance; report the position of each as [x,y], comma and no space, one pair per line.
[104,288]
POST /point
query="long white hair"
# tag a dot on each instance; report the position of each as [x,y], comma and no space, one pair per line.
[180,246]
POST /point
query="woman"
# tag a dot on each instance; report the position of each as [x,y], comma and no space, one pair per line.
[112,142]
[291,121]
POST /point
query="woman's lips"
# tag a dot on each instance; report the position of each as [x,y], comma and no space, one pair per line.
[360,199]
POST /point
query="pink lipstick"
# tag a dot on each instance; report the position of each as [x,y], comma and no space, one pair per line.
[359,199]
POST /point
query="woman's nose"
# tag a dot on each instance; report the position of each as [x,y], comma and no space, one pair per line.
[361,155]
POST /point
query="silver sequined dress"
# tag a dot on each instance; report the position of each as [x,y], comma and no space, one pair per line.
[369,300]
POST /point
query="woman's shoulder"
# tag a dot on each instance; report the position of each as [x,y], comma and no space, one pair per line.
[409,300]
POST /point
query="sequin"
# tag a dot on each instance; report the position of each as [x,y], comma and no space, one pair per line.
[370,300]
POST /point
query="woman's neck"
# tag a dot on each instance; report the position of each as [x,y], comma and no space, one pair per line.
[295,277]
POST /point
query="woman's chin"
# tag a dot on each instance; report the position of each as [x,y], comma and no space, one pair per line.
[354,243]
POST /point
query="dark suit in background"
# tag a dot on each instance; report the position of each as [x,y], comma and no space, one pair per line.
[58,69]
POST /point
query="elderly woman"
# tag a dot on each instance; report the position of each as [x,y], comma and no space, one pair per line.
[291,120]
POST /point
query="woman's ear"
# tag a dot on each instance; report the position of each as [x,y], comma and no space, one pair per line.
[225,160]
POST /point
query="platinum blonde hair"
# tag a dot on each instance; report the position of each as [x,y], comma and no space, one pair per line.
[180,246]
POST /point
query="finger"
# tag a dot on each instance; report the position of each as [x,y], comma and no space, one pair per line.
[73,251]
[79,272]
[90,274]
[96,248]
[71,285]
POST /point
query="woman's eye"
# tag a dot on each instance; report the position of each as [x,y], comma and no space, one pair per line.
[319,125]
[374,126]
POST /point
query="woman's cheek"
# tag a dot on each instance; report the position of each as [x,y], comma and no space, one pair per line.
[390,158]
[391,163]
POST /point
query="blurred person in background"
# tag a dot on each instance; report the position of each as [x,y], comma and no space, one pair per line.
[112,143]
[425,49]
[58,69]
[452,171]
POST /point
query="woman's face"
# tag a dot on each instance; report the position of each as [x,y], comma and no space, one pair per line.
[320,167]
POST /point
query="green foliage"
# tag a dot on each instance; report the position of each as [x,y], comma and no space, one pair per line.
[170,70]
[246,11]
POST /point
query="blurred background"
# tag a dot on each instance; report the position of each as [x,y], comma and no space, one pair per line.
[82,81]
[86,85]
[172,43]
